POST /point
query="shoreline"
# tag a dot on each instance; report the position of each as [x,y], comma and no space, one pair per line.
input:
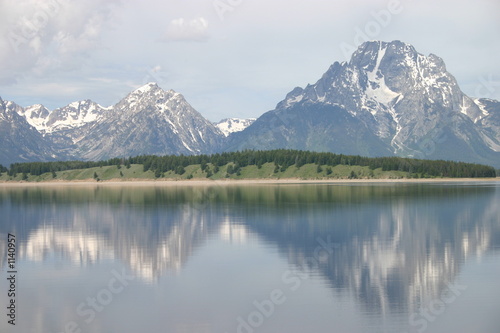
[224,182]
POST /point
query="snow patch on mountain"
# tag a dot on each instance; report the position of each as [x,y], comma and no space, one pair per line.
[377,88]
[232,125]
[35,115]
[74,115]
[403,102]
[145,88]
[481,106]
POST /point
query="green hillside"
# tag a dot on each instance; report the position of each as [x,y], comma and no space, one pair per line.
[135,172]
[275,164]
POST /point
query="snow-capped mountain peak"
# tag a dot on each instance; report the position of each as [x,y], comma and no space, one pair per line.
[405,99]
[233,125]
[377,89]
[387,100]
[146,88]
[149,120]
[36,115]
[74,115]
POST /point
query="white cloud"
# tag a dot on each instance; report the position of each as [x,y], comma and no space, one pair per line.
[45,37]
[273,46]
[181,29]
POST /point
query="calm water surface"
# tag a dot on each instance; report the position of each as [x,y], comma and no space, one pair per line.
[263,258]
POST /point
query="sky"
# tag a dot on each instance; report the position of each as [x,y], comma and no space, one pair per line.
[229,58]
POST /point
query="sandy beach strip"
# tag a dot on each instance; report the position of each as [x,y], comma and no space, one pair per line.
[225,182]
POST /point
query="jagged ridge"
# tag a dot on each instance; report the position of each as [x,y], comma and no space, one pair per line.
[387,100]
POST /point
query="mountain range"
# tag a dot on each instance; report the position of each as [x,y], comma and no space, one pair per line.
[388,100]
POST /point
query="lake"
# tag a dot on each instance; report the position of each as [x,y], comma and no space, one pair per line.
[395,257]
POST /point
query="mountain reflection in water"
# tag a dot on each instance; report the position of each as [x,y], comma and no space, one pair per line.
[395,247]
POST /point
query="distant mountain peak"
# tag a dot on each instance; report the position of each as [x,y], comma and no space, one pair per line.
[387,100]
[405,99]
[233,125]
[149,120]
[146,88]
[379,75]
[153,95]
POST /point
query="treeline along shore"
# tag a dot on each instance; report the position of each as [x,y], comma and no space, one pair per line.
[249,164]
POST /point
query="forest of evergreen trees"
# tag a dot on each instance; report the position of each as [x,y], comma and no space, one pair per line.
[282,158]
[38,168]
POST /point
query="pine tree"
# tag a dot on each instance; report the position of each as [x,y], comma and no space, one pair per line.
[180,170]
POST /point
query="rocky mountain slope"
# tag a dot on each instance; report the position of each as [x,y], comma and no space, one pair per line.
[233,125]
[19,141]
[147,121]
[387,100]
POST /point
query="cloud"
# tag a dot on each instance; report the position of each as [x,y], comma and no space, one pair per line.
[272,45]
[183,30]
[39,38]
